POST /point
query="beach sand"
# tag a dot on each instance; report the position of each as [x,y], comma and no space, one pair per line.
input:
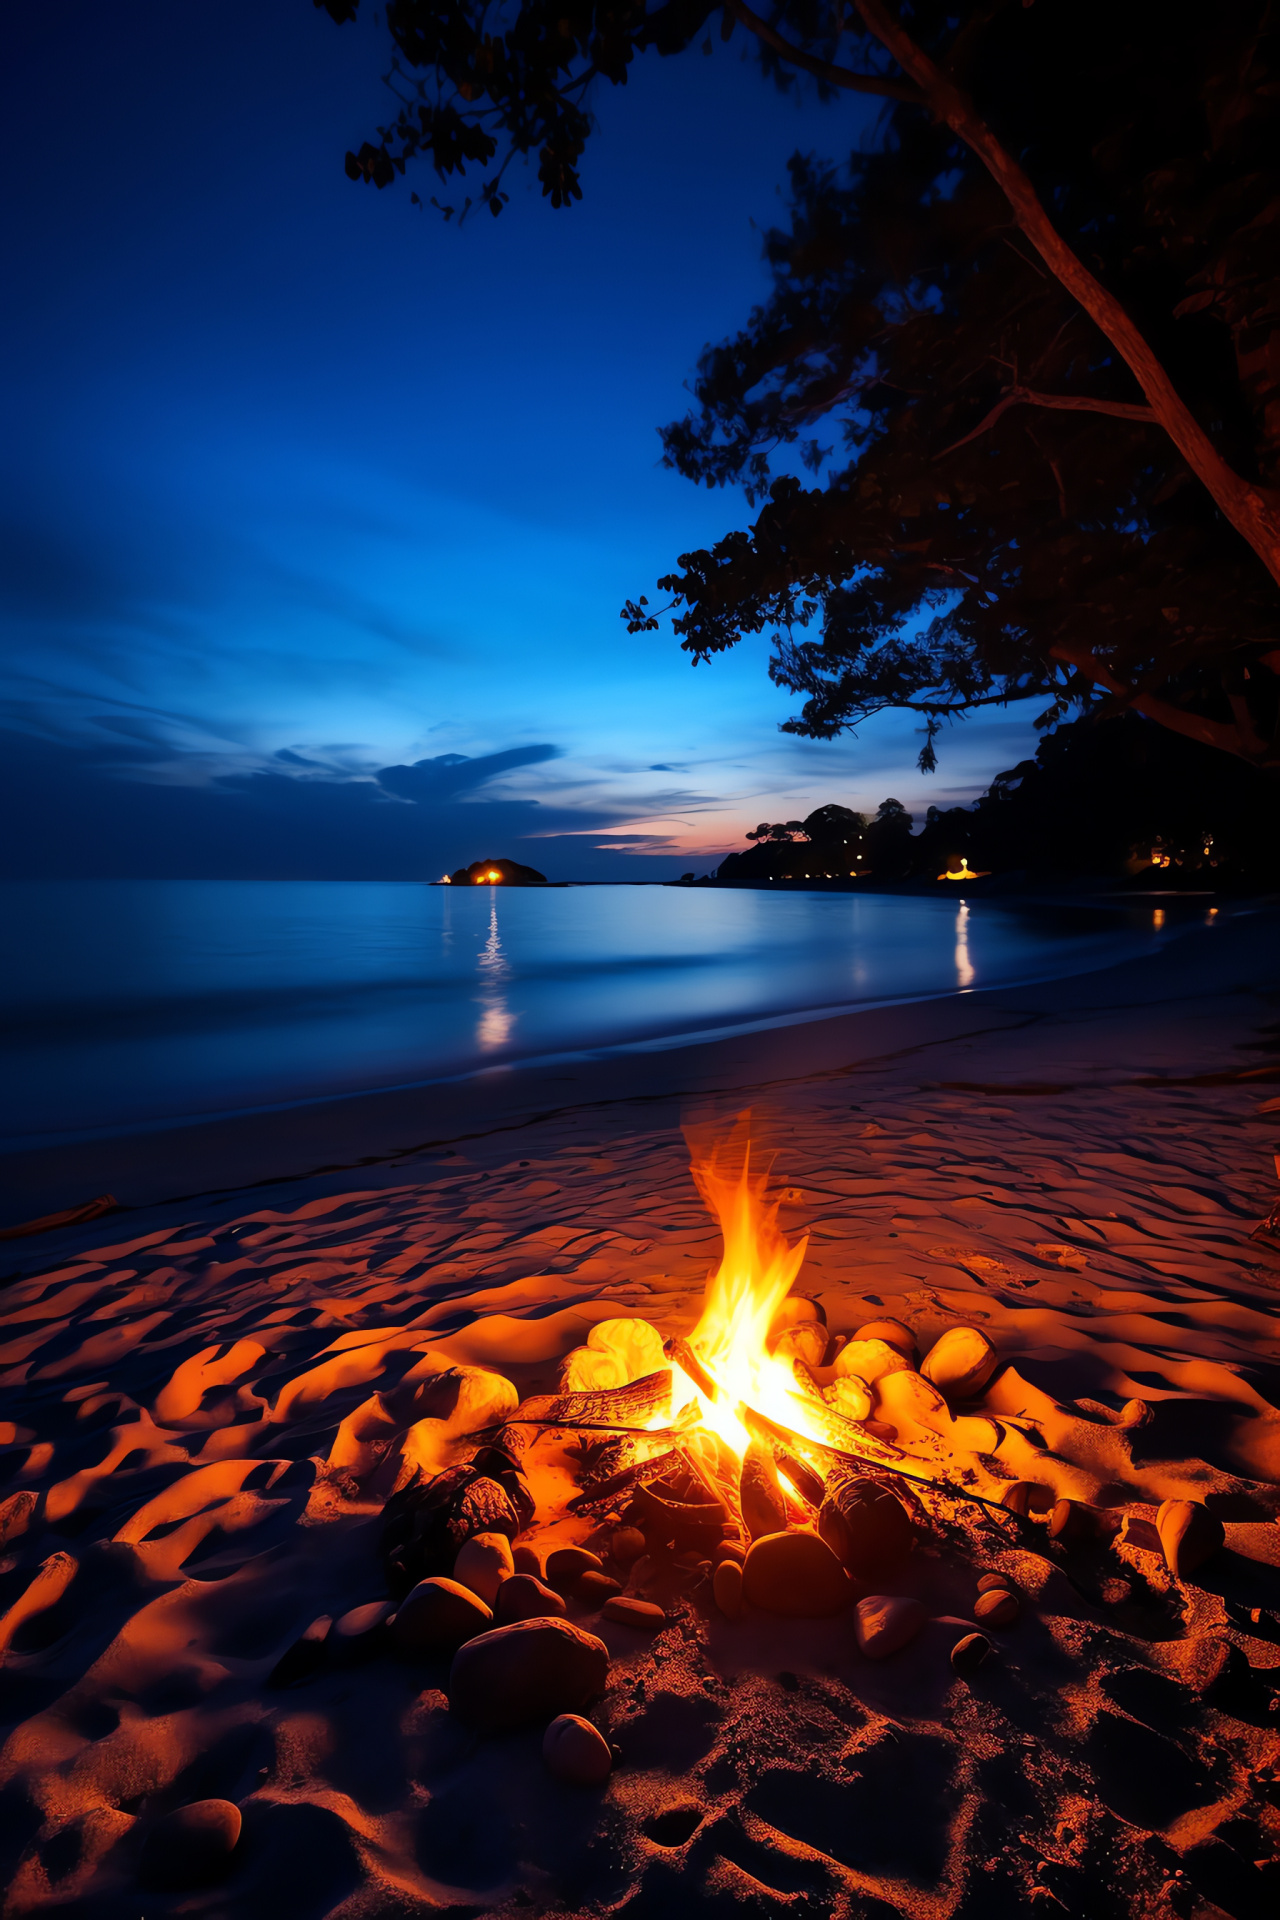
[1075,1168]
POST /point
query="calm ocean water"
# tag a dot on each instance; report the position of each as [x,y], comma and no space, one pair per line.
[127,1003]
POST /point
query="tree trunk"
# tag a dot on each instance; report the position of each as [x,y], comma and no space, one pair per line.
[1254,511]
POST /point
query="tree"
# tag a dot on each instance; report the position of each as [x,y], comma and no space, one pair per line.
[780,831]
[888,840]
[1040,314]
[833,826]
[1095,796]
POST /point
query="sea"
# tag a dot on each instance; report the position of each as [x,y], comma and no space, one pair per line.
[137,1004]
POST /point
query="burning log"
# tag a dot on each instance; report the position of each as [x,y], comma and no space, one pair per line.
[669,1516]
[626,1408]
[686,1359]
[716,1468]
[608,1491]
[764,1506]
[864,1523]
[807,1483]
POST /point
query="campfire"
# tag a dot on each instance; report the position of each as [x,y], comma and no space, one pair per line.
[760,1454]
[760,1464]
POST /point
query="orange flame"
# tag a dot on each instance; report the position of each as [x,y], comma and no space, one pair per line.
[755,1276]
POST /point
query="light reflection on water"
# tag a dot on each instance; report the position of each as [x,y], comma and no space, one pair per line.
[497,1019]
[965,973]
[132,1002]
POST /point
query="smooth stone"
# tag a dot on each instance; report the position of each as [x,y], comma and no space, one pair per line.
[626,1544]
[1074,1522]
[806,1341]
[726,1588]
[361,1633]
[1027,1497]
[997,1607]
[528,1671]
[305,1657]
[796,1310]
[483,1563]
[796,1574]
[524,1598]
[961,1363]
[884,1624]
[1189,1535]
[566,1566]
[190,1847]
[996,1583]
[644,1572]
[595,1588]
[527,1559]
[849,1395]
[870,1360]
[630,1612]
[894,1334]
[1136,1413]
[969,1652]
[436,1617]
[576,1752]
[730,1550]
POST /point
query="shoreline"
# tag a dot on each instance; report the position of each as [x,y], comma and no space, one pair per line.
[596,1051]
[172,1163]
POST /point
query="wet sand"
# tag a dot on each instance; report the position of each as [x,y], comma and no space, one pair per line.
[1075,1168]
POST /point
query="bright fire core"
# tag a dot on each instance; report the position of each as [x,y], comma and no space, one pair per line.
[755,1276]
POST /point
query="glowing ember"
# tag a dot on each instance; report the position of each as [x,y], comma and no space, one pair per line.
[755,1276]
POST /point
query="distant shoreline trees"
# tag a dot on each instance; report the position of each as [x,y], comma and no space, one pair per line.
[1038,319]
[1097,801]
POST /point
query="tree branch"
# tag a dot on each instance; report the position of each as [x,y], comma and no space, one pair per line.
[1063,402]
[1254,511]
[1210,733]
[823,69]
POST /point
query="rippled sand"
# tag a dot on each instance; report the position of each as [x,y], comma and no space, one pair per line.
[172,1392]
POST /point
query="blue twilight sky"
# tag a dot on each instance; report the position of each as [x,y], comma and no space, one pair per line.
[316,513]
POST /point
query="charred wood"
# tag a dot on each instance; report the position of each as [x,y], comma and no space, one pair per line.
[427,1520]
[623,1482]
[764,1506]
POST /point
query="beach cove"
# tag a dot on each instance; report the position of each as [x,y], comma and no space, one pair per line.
[1075,1167]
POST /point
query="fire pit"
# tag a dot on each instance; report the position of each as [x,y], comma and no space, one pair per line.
[761,1466]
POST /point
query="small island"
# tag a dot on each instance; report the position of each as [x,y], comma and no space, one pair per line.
[494,873]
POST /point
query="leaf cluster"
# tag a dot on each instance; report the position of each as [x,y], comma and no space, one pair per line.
[471,79]
[987,531]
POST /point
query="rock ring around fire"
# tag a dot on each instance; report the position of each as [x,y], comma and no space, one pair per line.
[795,1573]
[526,1672]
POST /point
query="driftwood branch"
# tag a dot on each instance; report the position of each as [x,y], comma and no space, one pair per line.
[631,1405]
[630,1477]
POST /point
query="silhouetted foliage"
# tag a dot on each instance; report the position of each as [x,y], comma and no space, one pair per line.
[1039,317]
[889,844]
[828,844]
[1098,799]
